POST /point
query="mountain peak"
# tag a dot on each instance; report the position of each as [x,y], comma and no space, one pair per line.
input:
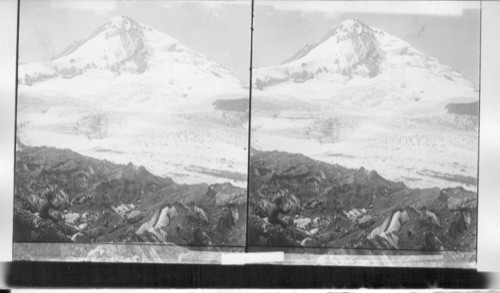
[351,48]
[118,25]
[122,45]
[351,24]
[351,21]
[121,19]
[121,22]
[349,43]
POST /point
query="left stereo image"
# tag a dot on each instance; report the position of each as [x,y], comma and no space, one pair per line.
[132,129]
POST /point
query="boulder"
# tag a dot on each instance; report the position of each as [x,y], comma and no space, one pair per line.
[79,238]
[84,217]
[432,243]
[200,213]
[262,240]
[456,203]
[398,219]
[459,198]
[458,226]
[381,242]
[158,234]
[433,217]
[366,221]
[134,217]
[226,220]
[167,214]
[227,198]
[46,231]
[34,236]
[71,218]
[295,171]
[309,242]
[468,218]
[56,215]
[302,223]
[392,239]
[355,213]
[275,235]
[66,228]
[287,219]
[121,209]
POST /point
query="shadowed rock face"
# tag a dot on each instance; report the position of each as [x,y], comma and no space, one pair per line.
[103,202]
[463,109]
[237,105]
[349,208]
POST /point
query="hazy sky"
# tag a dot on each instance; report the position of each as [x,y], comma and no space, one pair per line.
[218,30]
[450,29]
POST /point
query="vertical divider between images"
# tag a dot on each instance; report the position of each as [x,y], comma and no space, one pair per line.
[249,119]
[15,119]
[479,127]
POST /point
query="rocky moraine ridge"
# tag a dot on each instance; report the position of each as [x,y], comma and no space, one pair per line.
[97,201]
[332,206]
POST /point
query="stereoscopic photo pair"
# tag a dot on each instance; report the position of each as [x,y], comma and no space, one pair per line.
[140,138]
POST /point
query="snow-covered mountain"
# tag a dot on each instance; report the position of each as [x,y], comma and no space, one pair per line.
[123,45]
[353,53]
[129,93]
[360,97]
[351,49]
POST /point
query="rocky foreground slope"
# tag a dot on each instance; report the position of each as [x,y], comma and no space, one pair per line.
[332,206]
[102,202]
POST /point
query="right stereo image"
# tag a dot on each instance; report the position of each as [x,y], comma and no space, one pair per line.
[364,126]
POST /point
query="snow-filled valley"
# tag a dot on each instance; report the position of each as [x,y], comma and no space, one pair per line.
[360,97]
[128,93]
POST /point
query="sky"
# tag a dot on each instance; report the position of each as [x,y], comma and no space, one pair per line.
[448,31]
[217,29]
[220,30]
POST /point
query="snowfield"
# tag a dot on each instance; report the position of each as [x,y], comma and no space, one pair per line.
[362,98]
[129,93]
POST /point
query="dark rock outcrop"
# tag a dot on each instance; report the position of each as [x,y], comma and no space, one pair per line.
[458,225]
[463,109]
[28,227]
[235,105]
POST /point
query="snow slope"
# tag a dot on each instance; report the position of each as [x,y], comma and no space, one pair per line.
[361,97]
[128,93]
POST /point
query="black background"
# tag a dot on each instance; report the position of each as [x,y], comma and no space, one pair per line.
[59,274]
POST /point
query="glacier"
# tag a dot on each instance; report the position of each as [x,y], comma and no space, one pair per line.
[129,93]
[360,97]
